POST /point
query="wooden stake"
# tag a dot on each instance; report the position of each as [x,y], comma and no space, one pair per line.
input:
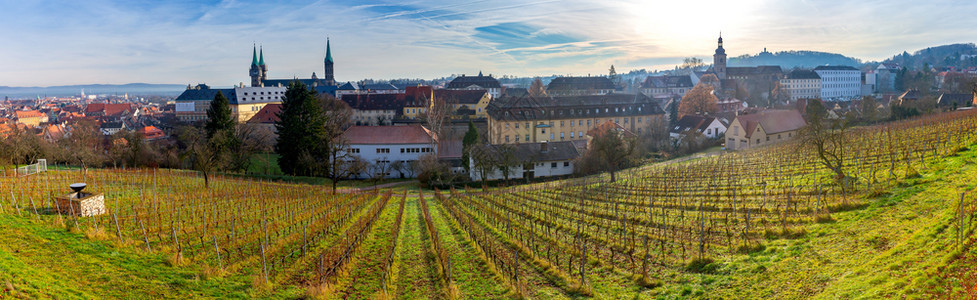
[117,230]
[34,208]
[217,250]
[144,236]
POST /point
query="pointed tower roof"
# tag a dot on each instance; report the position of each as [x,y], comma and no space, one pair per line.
[328,52]
[261,62]
[720,50]
[254,56]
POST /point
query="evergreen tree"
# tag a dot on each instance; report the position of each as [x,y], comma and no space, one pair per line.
[673,113]
[471,137]
[219,117]
[221,139]
[302,143]
[612,75]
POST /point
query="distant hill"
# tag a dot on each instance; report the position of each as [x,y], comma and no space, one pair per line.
[133,89]
[953,55]
[794,59]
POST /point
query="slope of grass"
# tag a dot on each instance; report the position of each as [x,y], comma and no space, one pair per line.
[901,245]
[40,260]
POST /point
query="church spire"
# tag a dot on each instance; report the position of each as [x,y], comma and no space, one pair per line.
[328,52]
[254,56]
[261,62]
[327,77]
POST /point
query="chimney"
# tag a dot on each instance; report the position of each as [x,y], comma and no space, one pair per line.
[542,147]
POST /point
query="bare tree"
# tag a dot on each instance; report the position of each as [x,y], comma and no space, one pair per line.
[342,164]
[412,167]
[83,146]
[506,160]
[398,166]
[483,161]
[826,137]
[378,170]
[537,89]
[612,150]
[692,63]
[198,154]
[436,116]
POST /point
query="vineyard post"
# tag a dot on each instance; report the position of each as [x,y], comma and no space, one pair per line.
[583,263]
[34,208]
[217,250]
[72,207]
[176,243]
[960,220]
[118,231]
[702,237]
[14,201]
[95,221]
[644,260]
[264,267]
[144,236]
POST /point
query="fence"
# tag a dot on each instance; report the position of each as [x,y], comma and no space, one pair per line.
[40,166]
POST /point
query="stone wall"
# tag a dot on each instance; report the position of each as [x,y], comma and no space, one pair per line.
[88,205]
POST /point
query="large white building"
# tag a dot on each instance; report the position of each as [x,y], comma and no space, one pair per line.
[245,101]
[802,84]
[839,82]
[382,146]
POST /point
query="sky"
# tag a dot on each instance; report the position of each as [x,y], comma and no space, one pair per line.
[48,43]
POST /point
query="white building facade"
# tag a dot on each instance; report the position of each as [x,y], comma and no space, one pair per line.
[537,160]
[839,82]
[383,146]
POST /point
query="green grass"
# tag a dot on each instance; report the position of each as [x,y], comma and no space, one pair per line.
[40,260]
[899,245]
[265,164]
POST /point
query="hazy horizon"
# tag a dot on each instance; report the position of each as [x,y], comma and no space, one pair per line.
[189,42]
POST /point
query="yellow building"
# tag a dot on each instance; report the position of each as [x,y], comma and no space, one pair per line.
[527,119]
[465,103]
[460,103]
[31,118]
[763,128]
[418,101]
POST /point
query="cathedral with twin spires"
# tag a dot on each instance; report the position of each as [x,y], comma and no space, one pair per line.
[259,71]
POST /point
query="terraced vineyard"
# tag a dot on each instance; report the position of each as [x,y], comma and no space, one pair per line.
[658,226]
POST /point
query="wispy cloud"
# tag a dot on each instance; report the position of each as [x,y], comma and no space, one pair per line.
[112,41]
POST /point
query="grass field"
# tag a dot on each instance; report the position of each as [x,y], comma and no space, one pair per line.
[900,244]
[658,233]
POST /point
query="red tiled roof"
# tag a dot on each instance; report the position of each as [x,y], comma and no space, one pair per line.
[379,135]
[151,132]
[267,114]
[108,109]
[28,114]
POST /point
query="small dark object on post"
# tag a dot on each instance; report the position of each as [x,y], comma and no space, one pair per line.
[77,187]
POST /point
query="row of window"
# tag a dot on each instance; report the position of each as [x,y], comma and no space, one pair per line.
[263,98]
[402,150]
[415,150]
[269,93]
[581,111]
[579,123]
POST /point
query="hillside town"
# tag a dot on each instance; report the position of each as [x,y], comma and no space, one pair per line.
[525,131]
